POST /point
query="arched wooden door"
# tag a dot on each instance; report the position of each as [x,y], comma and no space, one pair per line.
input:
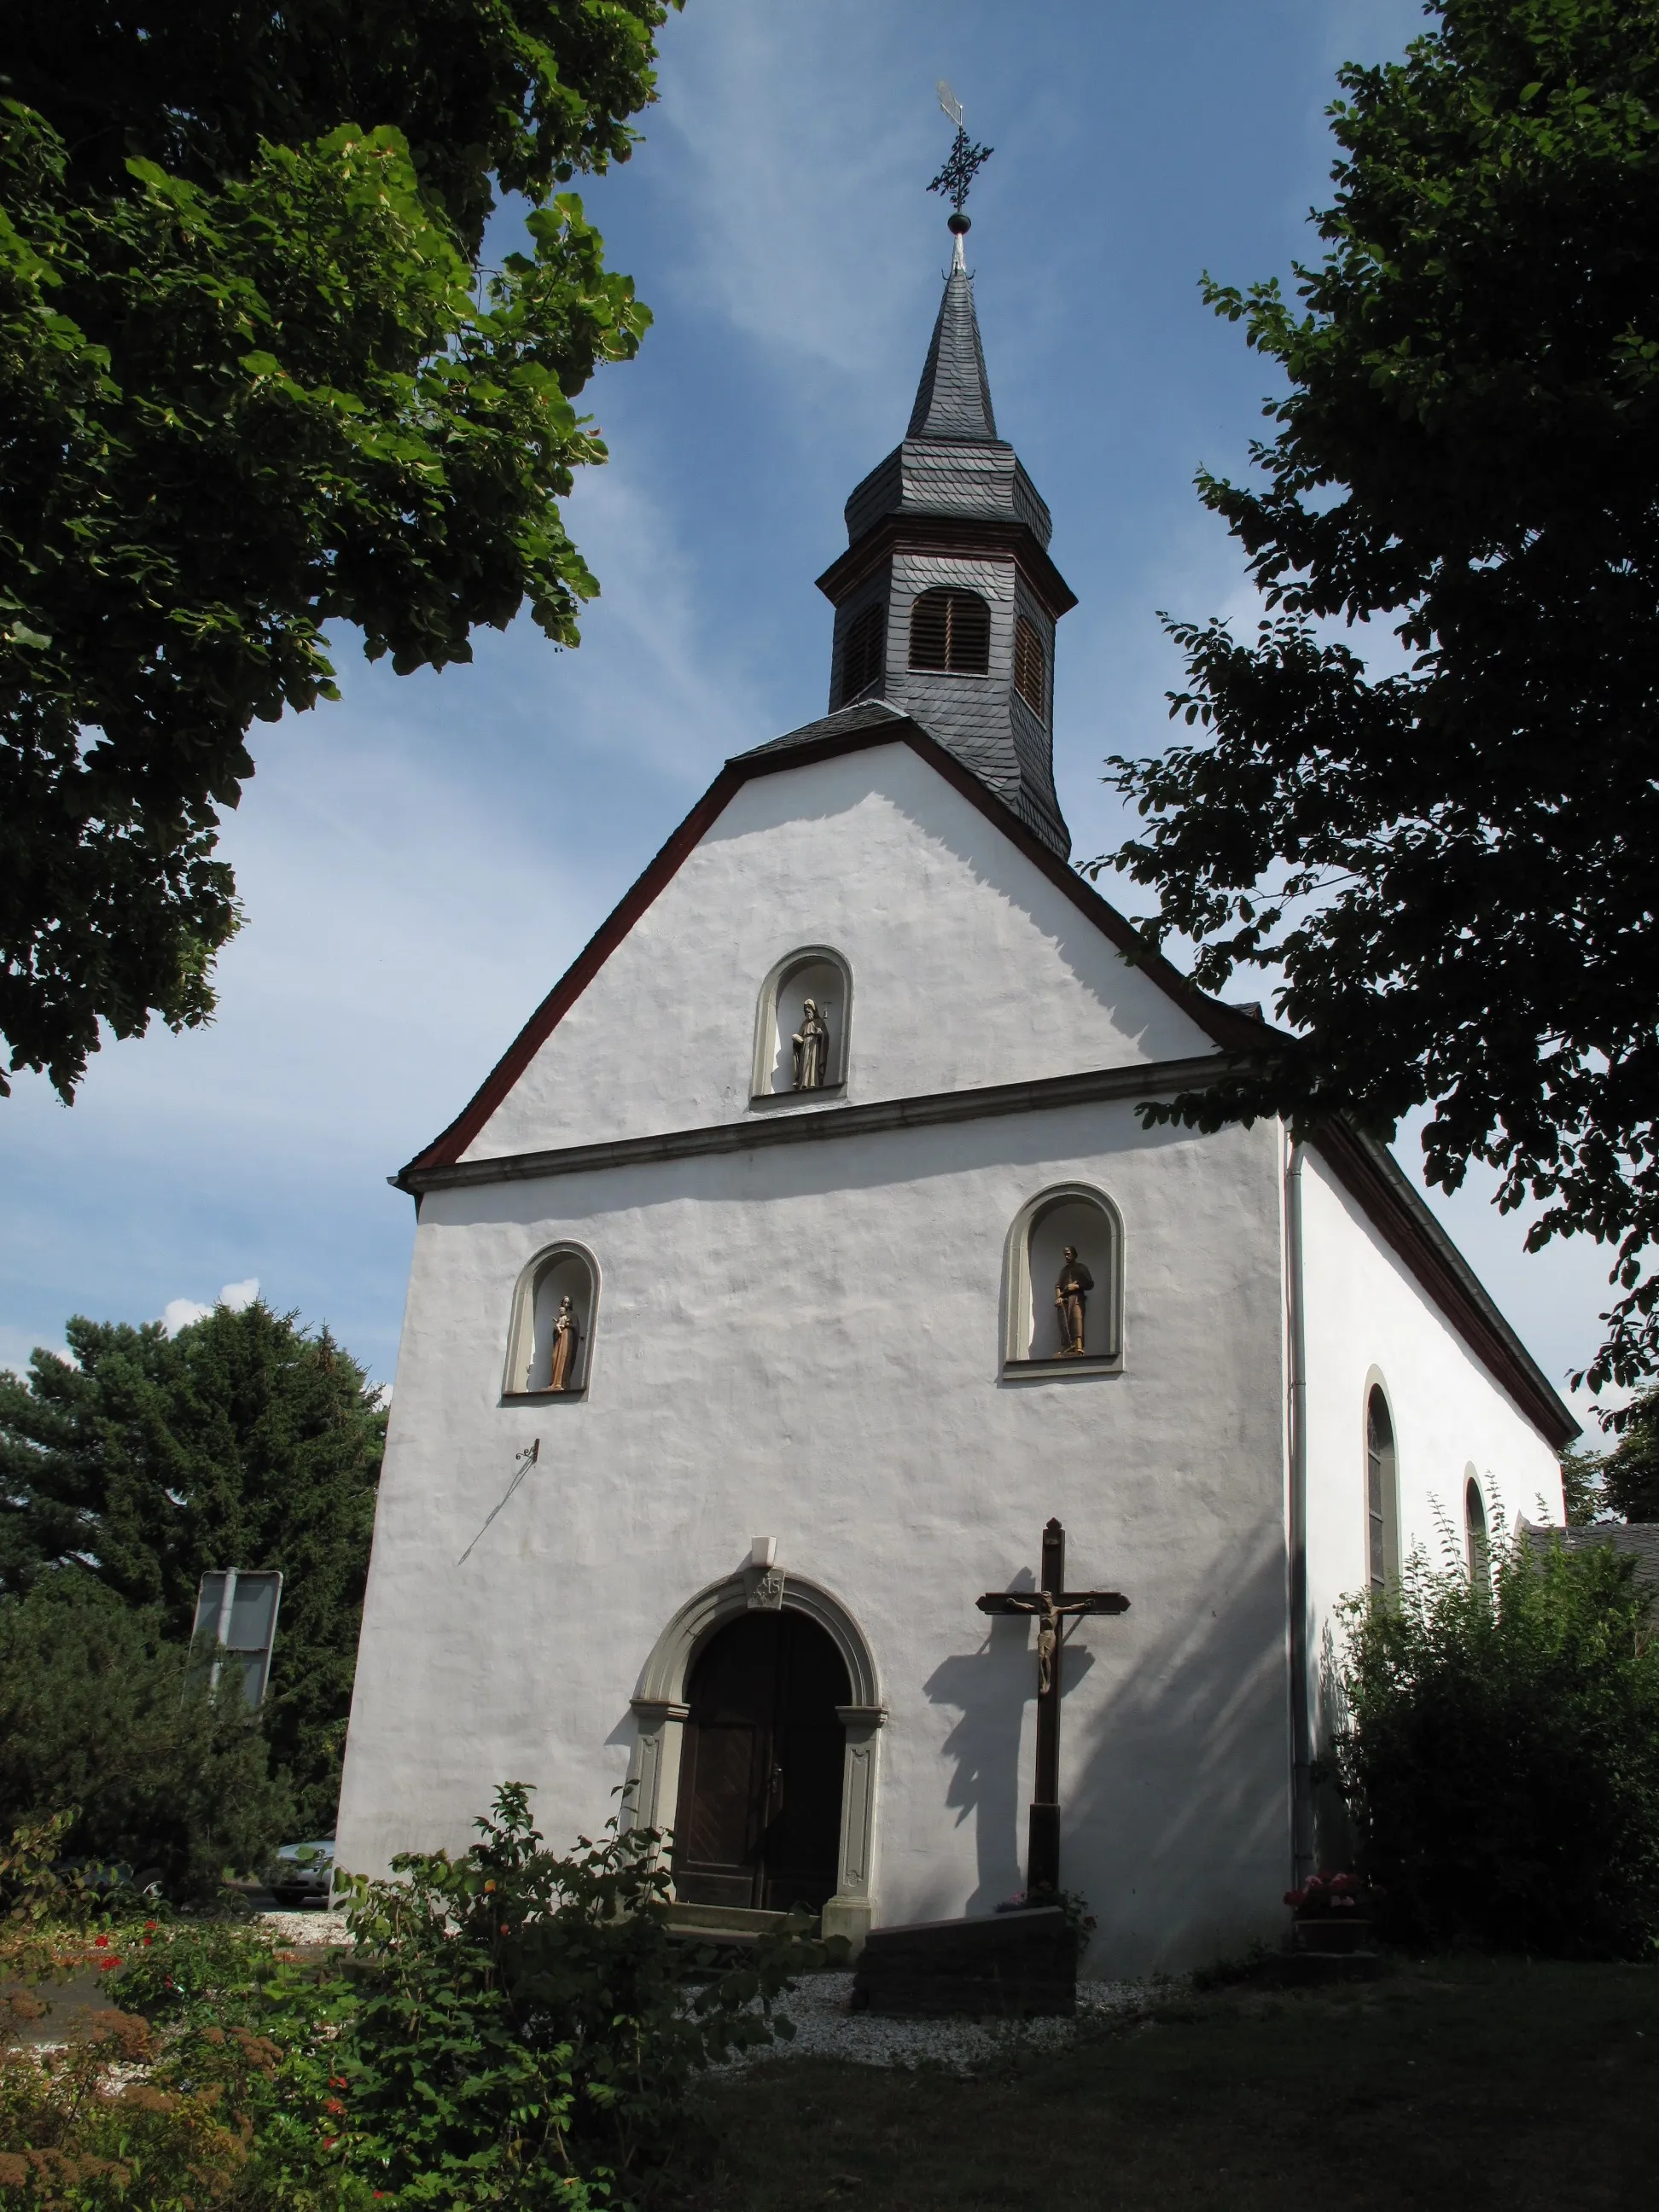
[759,1822]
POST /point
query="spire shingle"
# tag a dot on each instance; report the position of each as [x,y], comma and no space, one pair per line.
[953,400]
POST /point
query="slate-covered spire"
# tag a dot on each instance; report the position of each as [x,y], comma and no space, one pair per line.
[953,400]
[946,599]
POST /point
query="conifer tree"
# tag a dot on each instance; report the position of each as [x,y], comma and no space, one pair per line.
[244,1440]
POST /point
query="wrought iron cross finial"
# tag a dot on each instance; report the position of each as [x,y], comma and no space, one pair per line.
[962,165]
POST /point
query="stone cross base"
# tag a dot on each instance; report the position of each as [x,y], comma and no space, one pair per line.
[1012,1965]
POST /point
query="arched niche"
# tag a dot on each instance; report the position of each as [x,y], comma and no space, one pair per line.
[562,1271]
[661,1712]
[1085,1219]
[820,974]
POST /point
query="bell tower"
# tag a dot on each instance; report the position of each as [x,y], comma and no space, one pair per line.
[946,599]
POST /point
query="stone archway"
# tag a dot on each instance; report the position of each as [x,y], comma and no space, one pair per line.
[661,1712]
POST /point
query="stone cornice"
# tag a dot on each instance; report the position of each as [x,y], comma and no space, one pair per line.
[972,536]
[819,1125]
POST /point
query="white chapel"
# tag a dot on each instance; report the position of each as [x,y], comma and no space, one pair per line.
[735,1370]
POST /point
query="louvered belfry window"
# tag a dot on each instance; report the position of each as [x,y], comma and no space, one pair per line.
[950,631]
[864,654]
[1028,671]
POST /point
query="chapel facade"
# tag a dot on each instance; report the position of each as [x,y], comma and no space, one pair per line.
[734,1374]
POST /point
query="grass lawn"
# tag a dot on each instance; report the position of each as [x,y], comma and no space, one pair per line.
[1463,2084]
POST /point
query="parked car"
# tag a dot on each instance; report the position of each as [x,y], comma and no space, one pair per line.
[301,1873]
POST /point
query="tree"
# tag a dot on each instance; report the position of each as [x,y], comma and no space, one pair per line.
[255,378]
[1453,862]
[1629,1474]
[242,1441]
[98,1713]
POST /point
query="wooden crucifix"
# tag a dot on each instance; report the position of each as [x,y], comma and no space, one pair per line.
[1057,1611]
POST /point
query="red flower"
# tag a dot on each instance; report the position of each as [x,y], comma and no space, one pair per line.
[150,1924]
[148,1940]
[100,1942]
[1295,1896]
[334,2105]
[107,1965]
[504,1928]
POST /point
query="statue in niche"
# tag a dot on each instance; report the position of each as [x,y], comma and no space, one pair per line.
[567,1337]
[1070,1299]
[810,1046]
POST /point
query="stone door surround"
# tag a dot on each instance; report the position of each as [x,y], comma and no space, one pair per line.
[661,1712]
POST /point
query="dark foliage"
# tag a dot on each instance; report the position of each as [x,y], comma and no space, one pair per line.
[99,1713]
[1629,1475]
[1502,1758]
[1454,863]
[241,1442]
[516,95]
[254,380]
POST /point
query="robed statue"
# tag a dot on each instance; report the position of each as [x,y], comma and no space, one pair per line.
[1070,1299]
[811,1044]
[567,1337]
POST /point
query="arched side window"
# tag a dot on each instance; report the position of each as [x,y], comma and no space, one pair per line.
[1065,1283]
[1031,668]
[1382,1496]
[803,1024]
[950,633]
[1477,1542]
[550,1336]
[864,653]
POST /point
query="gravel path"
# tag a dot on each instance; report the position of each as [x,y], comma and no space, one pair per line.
[308,1929]
[826,2026]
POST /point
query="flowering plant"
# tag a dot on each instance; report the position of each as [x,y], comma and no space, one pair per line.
[1324,1896]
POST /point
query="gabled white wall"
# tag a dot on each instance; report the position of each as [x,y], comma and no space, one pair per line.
[968,966]
[1367,1317]
[806,1342]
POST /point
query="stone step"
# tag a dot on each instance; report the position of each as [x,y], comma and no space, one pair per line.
[723,1923]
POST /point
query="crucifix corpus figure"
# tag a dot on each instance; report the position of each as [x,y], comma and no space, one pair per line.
[1053,1606]
[1071,1302]
[811,1048]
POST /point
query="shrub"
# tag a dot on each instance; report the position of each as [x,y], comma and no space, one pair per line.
[98,1711]
[513,2030]
[526,2027]
[1501,1759]
[97,2122]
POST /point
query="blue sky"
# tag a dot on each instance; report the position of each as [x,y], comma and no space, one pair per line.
[421,861]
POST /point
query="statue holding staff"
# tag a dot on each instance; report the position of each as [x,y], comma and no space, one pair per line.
[811,1044]
[1071,1299]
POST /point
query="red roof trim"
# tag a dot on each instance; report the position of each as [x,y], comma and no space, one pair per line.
[1234,1031]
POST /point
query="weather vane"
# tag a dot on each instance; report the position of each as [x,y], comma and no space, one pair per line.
[963,162]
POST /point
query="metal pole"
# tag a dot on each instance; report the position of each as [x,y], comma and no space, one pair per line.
[222,1632]
[1301,1820]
